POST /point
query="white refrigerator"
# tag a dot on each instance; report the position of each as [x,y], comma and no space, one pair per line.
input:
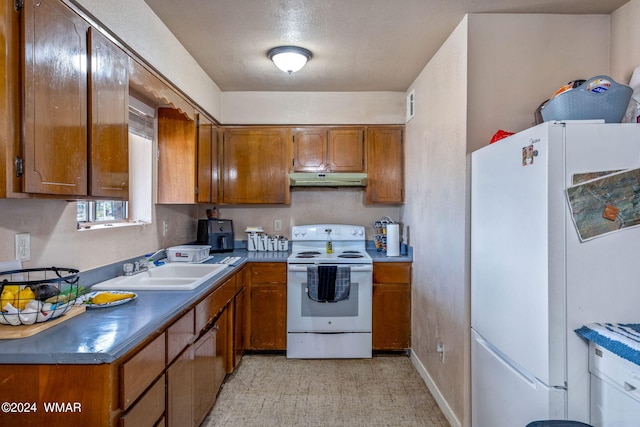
[534,280]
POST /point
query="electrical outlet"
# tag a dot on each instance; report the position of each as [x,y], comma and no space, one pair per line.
[277,225]
[165,228]
[23,246]
[440,349]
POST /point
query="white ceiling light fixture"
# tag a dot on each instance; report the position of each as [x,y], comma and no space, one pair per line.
[289,58]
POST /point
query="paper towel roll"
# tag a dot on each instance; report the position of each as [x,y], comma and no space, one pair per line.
[393,239]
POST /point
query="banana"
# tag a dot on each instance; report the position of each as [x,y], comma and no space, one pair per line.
[107,297]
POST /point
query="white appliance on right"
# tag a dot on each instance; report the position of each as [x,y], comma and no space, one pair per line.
[533,281]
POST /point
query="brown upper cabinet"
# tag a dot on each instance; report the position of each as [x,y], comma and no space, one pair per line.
[328,150]
[109,110]
[385,163]
[207,190]
[75,106]
[176,157]
[255,165]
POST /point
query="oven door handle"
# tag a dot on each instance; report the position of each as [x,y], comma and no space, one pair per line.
[354,268]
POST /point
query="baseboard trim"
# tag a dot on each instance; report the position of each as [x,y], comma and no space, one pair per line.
[435,392]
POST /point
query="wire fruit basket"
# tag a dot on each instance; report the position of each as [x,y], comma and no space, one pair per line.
[36,295]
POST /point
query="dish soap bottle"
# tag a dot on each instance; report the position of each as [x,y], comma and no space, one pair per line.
[329,242]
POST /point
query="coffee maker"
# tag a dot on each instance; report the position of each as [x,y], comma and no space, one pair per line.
[218,233]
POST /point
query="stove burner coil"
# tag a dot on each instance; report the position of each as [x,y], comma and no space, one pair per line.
[351,255]
[307,254]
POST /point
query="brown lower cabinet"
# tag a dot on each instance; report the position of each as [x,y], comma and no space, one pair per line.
[171,379]
[391,306]
[267,286]
[180,391]
[206,377]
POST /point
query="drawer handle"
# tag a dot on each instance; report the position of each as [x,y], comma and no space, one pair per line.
[628,387]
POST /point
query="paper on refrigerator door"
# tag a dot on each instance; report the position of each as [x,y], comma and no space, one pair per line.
[605,205]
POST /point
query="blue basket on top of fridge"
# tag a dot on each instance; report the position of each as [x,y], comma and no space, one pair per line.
[35,295]
[600,97]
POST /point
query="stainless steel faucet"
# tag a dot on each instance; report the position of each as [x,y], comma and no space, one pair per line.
[141,265]
[133,268]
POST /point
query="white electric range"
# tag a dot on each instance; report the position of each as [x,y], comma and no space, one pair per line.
[329,292]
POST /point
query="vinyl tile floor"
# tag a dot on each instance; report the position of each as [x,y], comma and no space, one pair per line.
[271,390]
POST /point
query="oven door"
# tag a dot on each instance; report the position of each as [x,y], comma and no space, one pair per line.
[349,315]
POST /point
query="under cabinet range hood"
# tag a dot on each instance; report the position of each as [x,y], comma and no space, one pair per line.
[327,179]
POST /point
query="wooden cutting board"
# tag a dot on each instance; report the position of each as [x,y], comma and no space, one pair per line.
[10,332]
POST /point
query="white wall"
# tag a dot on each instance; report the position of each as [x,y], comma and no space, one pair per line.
[625,41]
[435,213]
[56,242]
[313,108]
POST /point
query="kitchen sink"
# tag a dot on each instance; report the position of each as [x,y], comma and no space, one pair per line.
[168,277]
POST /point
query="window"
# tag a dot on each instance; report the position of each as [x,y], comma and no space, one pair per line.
[102,211]
[92,214]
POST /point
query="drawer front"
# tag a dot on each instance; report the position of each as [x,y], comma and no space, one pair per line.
[269,272]
[180,335]
[209,308]
[140,371]
[149,409]
[391,272]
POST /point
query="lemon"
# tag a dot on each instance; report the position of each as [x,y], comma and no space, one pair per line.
[7,297]
[23,297]
[14,289]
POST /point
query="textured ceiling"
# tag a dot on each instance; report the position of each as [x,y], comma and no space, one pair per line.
[357,45]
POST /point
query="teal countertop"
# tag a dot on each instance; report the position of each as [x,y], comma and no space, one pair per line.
[102,335]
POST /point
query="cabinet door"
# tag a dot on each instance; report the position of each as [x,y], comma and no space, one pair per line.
[309,150]
[268,306]
[222,349]
[204,377]
[55,99]
[391,321]
[176,157]
[268,316]
[109,105]
[207,161]
[180,390]
[239,327]
[10,91]
[385,166]
[346,150]
[255,165]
